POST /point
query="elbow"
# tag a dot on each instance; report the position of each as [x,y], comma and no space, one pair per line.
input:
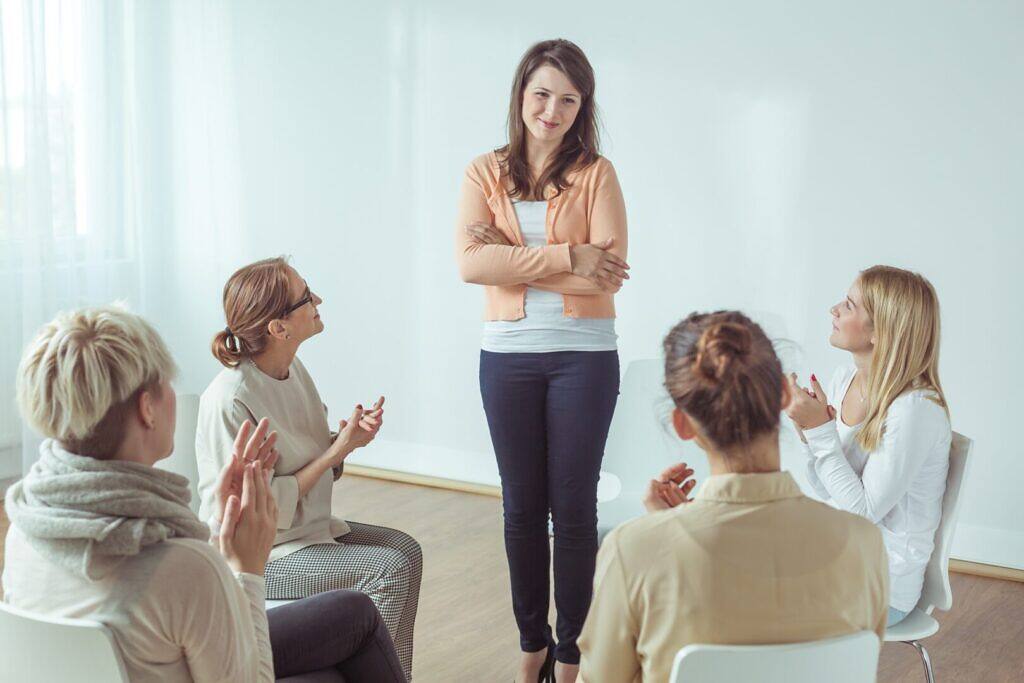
[469,273]
[472,272]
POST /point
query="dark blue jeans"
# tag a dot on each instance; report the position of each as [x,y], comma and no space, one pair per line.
[549,415]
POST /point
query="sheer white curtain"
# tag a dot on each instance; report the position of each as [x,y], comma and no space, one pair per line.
[89,202]
[66,232]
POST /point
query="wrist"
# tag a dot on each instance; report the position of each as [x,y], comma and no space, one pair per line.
[255,568]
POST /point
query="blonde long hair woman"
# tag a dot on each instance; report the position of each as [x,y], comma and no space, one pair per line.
[878,439]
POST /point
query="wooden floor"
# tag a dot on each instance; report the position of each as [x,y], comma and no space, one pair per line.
[465,630]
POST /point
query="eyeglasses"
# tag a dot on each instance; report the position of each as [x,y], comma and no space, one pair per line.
[307,297]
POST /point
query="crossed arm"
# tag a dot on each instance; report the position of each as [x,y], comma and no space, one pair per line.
[486,255]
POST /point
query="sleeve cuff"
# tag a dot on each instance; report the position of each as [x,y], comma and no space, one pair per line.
[822,439]
[560,257]
[214,528]
[254,586]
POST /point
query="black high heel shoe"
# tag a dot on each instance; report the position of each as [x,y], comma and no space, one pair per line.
[547,672]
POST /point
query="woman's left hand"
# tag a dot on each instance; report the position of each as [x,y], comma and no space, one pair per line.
[670,489]
[483,233]
[808,408]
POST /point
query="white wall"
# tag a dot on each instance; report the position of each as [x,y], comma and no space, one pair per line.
[767,151]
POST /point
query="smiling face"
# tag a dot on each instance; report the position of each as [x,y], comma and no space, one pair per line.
[852,329]
[550,104]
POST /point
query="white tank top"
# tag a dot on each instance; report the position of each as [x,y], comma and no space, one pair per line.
[545,327]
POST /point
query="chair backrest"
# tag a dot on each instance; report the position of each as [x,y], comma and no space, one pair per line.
[936,591]
[39,649]
[640,444]
[183,460]
[847,659]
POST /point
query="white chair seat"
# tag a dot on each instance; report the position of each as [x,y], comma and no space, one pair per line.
[277,603]
[915,626]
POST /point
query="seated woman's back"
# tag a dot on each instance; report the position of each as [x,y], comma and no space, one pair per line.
[750,559]
[97,532]
[171,598]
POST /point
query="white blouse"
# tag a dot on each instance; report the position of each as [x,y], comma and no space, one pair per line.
[898,486]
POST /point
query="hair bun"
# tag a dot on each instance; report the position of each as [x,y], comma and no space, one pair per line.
[718,349]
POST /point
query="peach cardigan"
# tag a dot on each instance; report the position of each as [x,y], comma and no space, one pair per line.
[589,211]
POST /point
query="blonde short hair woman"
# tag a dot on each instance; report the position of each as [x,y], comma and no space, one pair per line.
[98,532]
[878,439]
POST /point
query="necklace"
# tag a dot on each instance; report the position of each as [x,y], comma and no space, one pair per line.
[860,390]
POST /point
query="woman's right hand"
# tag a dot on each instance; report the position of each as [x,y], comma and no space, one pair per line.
[250,523]
[600,266]
[356,432]
[670,489]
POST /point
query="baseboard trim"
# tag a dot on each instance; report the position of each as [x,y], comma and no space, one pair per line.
[423,480]
[990,571]
[960,566]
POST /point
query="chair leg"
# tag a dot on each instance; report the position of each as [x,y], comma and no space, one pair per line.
[929,675]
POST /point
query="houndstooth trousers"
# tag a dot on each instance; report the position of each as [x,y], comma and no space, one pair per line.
[386,564]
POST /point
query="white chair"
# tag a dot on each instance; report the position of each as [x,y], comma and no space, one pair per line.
[641,443]
[183,460]
[936,592]
[847,659]
[41,649]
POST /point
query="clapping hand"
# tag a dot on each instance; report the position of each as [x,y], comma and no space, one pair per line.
[808,407]
[670,489]
[258,448]
[357,431]
[250,523]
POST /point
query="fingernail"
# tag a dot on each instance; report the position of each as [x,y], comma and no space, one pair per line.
[813,378]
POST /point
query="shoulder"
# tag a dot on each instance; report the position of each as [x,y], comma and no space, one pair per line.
[918,409]
[223,389]
[188,564]
[636,534]
[919,405]
[484,168]
[600,169]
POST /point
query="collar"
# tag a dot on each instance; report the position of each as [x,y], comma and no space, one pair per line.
[749,488]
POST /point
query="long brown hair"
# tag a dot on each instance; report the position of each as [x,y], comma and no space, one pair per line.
[253,296]
[904,312]
[721,370]
[581,145]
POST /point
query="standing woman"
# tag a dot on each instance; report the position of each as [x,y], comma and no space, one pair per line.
[878,441]
[542,225]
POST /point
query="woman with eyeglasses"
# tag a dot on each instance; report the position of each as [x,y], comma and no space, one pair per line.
[270,311]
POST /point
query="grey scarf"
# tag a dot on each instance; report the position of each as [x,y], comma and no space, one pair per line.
[87,514]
